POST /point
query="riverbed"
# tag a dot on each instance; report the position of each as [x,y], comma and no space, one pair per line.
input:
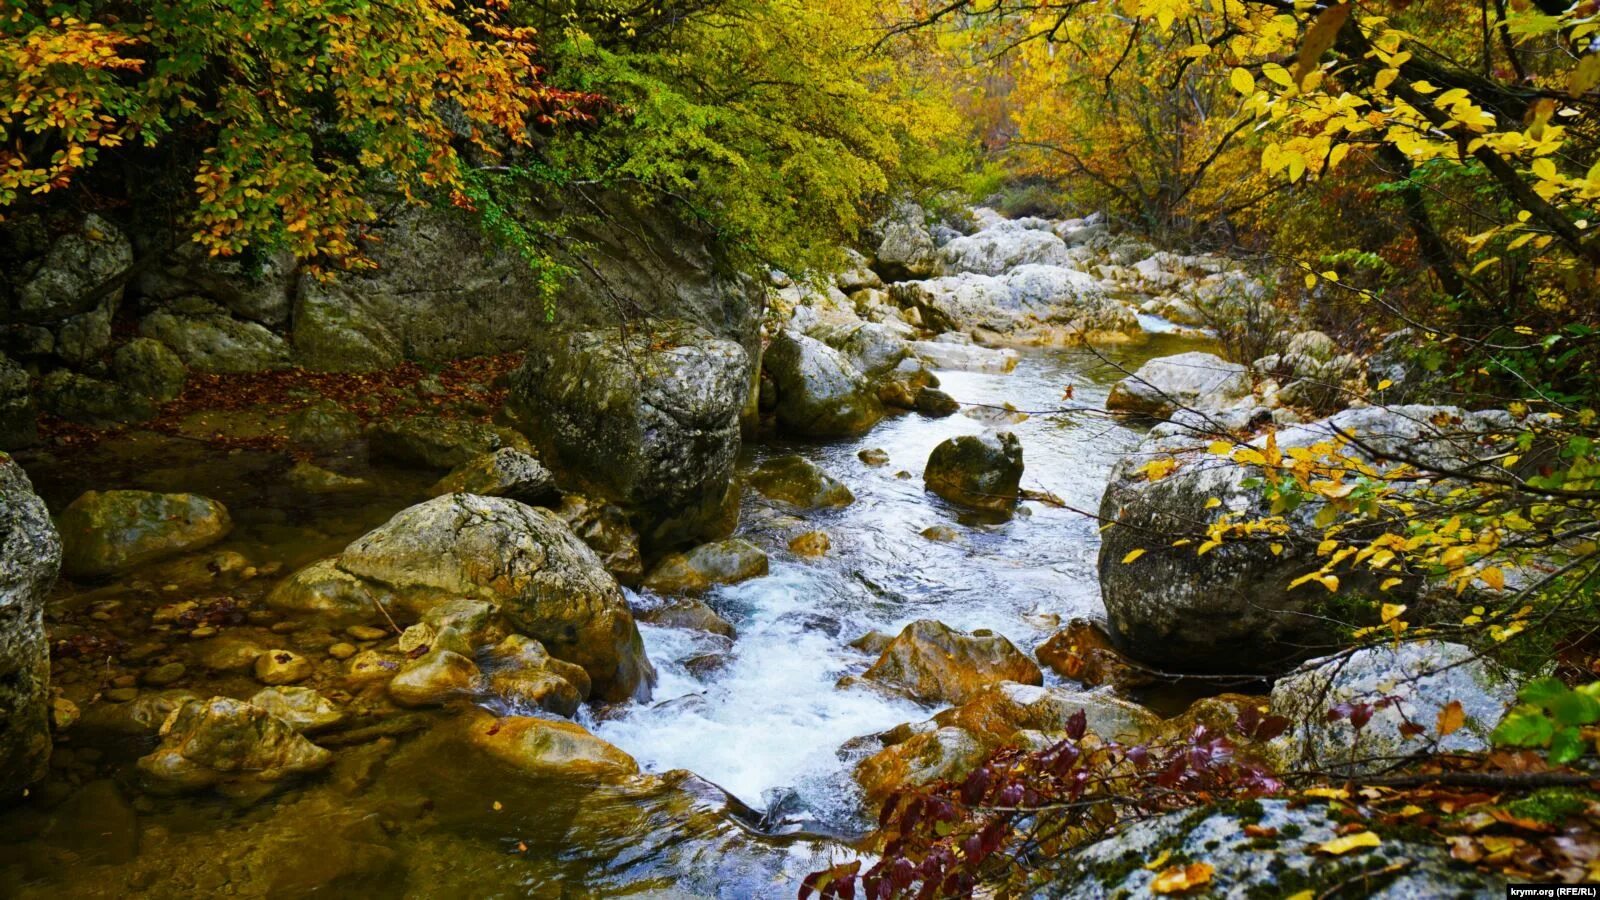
[763,720]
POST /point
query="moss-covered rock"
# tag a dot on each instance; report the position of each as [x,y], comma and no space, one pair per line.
[30,555]
[800,482]
[224,742]
[720,562]
[933,663]
[112,531]
[506,472]
[981,471]
[546,748]
[439,443]
[820,394]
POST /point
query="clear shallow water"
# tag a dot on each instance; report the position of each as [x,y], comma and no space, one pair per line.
[767,726]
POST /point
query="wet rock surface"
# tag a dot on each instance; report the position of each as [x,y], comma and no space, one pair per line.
[30,555]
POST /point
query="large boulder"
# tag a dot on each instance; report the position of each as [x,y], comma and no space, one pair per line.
[874,349]
[933,663]
[30,555]
[1400,686]
[905,246]
[539,578]
[106,532]
[1033,304]
[650,423]
[1243,864]
[1197,381]
[19,415]
[997,250]
[228,743]
[722,562]
[800,482]
[208,339]
[820,394]
[257,285]
[1232,608]
[442,289]
[965,357]
[148,367]
[983,471]
[63,279]
[92,401]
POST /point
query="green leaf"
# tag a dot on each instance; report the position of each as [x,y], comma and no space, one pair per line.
[1566,746]
[1573,708]
[1542,691]
[1524,728]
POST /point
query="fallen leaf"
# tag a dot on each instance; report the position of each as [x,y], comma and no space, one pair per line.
[1159,861]
[1132,555]
[1327,793]
[1451,718]
[1178,879]
[1341,846]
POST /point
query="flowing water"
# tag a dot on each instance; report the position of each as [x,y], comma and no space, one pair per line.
[764,720]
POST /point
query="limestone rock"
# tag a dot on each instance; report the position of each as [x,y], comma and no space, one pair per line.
[689,613]
[547,748]
[209,340]
[520,670]
[19,414]
[436,677]
[148,367]
[504,473]
[205,743]
[1198,381]
[276,667]
[112,531]
[604,528]
[30,555]
[820,394]
[439,443]
[304,709]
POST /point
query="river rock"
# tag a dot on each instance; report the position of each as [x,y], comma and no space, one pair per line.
[800,482]
[207,339]
[997,250]
[19,414]
[936,404]
[92,401]
[872,348]
[722,562]
[820,394]
[856,274]
[999,711]
[206,743]
[521,560]
[650,423]
[147,366]
[504,473]
[257,285]
[604,528]
[1244,866]
[314,479]
[905,246]
[810,543]
[933,663]
[276,667]
[304,709]
[965,357]
[436,677]
[686,612]
[1197,381]
[112,531]
[438,443]
[51,271]
[1233,607]
[1083,652]
[520,670]
[981,471]
[1414,680]
[30,555]
[141,717]
[546,748]
[324,424]
[939,754]
[899,387]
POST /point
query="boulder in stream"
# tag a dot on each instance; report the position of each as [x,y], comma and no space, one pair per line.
[1197,381]
[506,472]
[207,743]
[438,443]
[546,748]
[106,532]
[650,423]
[521,671]
[522,561]
[983,471]
[720,562]
[30,555]
[820,393]
[933,663]
[800,482]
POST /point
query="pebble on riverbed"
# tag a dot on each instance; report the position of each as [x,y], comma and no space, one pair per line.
[276,667]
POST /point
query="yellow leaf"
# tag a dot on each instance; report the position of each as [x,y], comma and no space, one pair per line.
[1159,861]
[1327,793]
[1358,841]
[1319,37]
[1196,51]
[1277,549]
[1388,583]
[1242,82]
[1451,718]
[1391,610]
[1385,384]
[1220,448]
[1132,555]
[1178,879]
[1213,503]
[1493,577]
[1302,895]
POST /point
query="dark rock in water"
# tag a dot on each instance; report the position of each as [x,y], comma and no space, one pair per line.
[30,555]
[605,529]
[651,423]
[439,443]
[936,403]
[222,741]
[809,621]
[720,562]
[324,424]
[981,471]
[113,531]
[801,482]
[820,394]
[97,824]
[688,613]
